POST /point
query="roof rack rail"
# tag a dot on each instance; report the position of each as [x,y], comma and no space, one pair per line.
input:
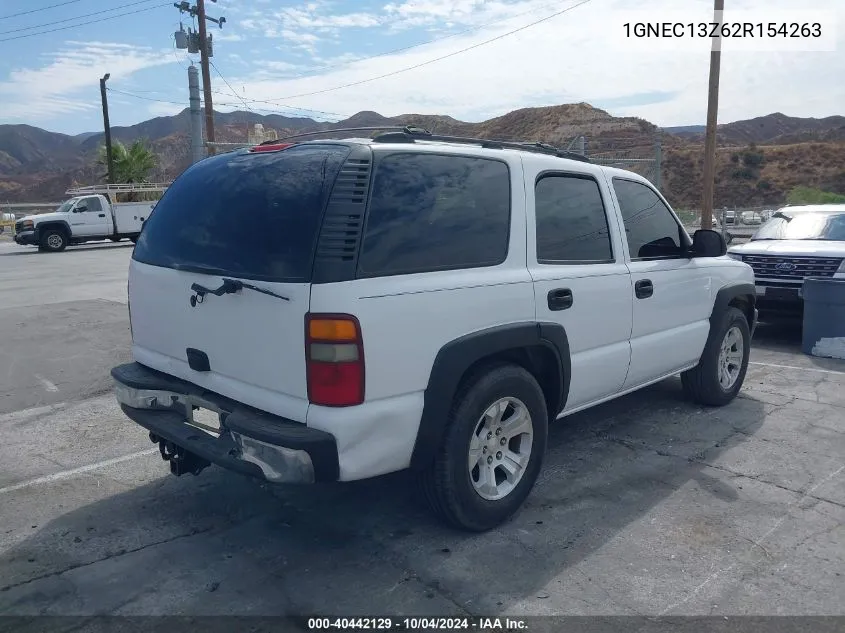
[411,134]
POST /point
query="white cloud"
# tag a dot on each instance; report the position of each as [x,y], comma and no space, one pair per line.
[228,36]
[298,39]
[304,20]
[164,109]
[577,56]
[68,81]
[573,57]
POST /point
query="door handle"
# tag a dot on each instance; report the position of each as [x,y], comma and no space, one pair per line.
[102,215]
[560,299]
[643,289]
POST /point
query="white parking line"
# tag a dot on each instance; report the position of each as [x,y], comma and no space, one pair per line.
[67,474]
[823,371]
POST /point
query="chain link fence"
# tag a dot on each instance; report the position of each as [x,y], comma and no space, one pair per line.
[640,156]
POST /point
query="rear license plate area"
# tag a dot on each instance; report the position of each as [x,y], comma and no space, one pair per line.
[206,420]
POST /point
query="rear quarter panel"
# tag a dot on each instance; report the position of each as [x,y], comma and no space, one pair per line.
[406,319]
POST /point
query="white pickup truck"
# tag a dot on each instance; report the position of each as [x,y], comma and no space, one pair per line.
[90,215]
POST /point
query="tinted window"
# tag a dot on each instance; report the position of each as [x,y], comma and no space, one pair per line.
[651,229]
[431,212]
[246,215]
[571,221]
[93,204]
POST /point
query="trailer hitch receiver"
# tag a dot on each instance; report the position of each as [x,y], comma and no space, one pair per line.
[181,461]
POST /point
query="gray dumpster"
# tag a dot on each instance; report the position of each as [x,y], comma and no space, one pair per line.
[824,317]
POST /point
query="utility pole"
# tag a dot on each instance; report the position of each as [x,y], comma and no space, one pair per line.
[197,147]
[104,99]
[198,11]
[658,160]
[206,76]
[712,116]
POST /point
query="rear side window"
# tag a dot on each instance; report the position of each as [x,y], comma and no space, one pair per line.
[254,216]
[571,221]
[435,212]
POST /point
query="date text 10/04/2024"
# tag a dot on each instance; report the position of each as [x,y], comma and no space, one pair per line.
[417,624]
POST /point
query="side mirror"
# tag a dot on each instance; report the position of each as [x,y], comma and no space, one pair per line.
[708,243]
[81,209]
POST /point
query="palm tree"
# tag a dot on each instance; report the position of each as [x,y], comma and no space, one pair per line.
[131,164]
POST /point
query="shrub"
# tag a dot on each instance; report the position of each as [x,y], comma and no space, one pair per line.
[810,195]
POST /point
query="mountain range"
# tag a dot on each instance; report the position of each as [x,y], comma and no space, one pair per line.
[758,160]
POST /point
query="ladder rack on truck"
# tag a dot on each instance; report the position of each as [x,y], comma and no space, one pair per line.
[108,190]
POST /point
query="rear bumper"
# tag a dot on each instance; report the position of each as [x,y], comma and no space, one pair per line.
[251,442]
[26,238]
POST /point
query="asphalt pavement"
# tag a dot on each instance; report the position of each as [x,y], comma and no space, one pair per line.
[646,506]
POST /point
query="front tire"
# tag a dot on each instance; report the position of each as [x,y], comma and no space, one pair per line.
[53,241]
[721,371]
[493,449]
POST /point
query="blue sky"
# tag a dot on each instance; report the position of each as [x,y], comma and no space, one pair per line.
[296,57]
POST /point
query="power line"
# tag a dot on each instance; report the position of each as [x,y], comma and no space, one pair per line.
[315,71]
[130,94]
[78,17]
[73,26]
[280,105]
[230,105]
[52,6]
[234,94]
[437,59]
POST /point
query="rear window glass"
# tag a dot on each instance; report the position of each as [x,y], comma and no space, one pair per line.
[253,216]
[433,212]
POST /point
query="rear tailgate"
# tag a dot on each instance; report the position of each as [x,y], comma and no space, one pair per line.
[246,223]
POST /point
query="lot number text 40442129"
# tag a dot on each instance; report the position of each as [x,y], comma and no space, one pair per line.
[416,624]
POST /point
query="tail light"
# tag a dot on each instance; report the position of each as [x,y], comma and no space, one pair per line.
[334,360]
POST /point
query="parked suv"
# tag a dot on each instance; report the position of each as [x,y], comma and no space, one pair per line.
[341,309]
[795,243]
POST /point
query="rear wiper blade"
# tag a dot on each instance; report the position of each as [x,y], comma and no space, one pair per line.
[229,286]
[264,291]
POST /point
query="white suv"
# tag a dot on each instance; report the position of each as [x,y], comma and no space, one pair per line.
[340,309]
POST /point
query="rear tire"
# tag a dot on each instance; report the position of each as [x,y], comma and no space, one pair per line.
[53,241]
[721,371]
[492,452]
